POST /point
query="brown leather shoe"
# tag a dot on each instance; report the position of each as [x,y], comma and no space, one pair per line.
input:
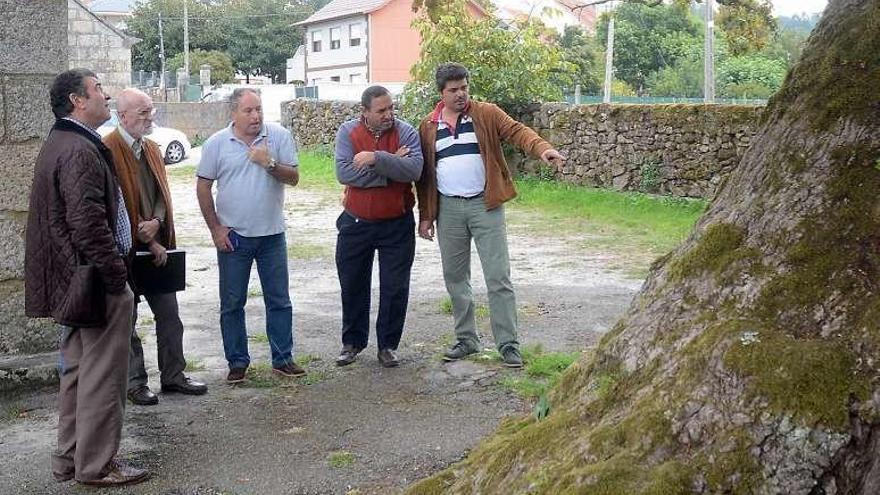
[388,358]
[236,375]
[143,396]
[289,370]
[120,474]
[188,387]
[348,355]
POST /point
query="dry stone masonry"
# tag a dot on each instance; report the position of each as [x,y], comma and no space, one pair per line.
[680,150]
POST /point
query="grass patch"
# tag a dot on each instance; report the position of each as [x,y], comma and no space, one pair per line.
[313,377]
[445,305]
[146,321]
[542,370]
[12,412]
[260,376]
[317,170]
[195,365]
[261,338]
[481,310]
[181,172]
[306,359]
[255,292]
[615,219]
[307,251]
[340,459]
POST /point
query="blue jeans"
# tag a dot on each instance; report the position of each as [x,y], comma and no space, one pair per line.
[270,253]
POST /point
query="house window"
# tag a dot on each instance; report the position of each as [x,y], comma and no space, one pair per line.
[334,78]
[354,34]
[356,78]
[335,38]
[316,41]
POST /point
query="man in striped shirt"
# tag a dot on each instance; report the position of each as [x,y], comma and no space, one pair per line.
[465,182]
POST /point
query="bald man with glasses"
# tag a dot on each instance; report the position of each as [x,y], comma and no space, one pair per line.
[141,172]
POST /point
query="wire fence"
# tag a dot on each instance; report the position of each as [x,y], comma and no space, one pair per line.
[662,100]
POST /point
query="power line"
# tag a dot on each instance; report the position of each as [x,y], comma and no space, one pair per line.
[249,16]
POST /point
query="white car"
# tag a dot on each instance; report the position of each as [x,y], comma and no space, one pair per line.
[172,143]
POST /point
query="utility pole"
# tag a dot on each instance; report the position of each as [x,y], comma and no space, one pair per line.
[609,55]
[709,56]
[185,40]
[161,55]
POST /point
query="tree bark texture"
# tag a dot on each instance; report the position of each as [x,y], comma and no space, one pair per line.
[750,360]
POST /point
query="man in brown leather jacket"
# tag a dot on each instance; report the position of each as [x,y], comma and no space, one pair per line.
[141,172]
[464,185]
[77,238]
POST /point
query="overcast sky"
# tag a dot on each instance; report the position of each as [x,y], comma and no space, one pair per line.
[791,7]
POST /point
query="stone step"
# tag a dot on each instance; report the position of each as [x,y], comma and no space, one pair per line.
[29,371]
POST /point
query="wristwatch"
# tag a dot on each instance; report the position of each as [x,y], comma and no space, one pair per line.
[272,164]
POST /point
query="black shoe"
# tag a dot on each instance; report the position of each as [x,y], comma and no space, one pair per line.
[388,358]
[348,355]
[143,396]
[458,351]
[187,387]
[512,357]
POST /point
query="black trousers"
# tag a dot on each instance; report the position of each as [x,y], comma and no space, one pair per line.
[356,244]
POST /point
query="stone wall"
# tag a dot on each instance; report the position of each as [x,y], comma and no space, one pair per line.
[35,35]
[94,44]
[193,119]
[681,150]
[314,123]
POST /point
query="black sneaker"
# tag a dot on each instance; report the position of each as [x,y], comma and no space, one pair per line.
[458,351]
[236,375]
[512,357]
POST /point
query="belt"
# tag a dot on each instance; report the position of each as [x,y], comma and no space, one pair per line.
[378,220]
[464,197]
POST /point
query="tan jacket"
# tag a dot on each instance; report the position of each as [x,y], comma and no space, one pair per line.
[127,167]
[491,126]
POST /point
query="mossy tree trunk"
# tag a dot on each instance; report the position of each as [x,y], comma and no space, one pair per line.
[750,360]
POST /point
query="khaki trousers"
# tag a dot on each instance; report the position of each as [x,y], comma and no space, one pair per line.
[91,400]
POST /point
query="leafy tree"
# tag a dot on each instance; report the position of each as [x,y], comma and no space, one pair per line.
[205,30]
[683,80]
[261,34]
[748,25]
[220,62]
[753,76]
[257,34]
[648,38]
[586,56]
[507,66]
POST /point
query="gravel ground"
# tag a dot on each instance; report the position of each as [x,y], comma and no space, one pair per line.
[382,428]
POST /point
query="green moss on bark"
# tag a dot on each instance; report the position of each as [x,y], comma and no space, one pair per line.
[718,251]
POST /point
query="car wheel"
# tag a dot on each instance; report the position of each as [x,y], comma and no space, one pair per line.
[174,152]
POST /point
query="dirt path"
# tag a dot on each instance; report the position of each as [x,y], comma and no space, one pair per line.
[383,428]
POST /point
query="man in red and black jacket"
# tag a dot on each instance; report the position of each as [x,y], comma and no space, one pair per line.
[378,158]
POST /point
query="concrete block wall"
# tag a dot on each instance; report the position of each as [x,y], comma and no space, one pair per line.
[35,35]
[193,119]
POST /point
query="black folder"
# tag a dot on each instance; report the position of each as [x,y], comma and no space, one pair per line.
[150,279]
